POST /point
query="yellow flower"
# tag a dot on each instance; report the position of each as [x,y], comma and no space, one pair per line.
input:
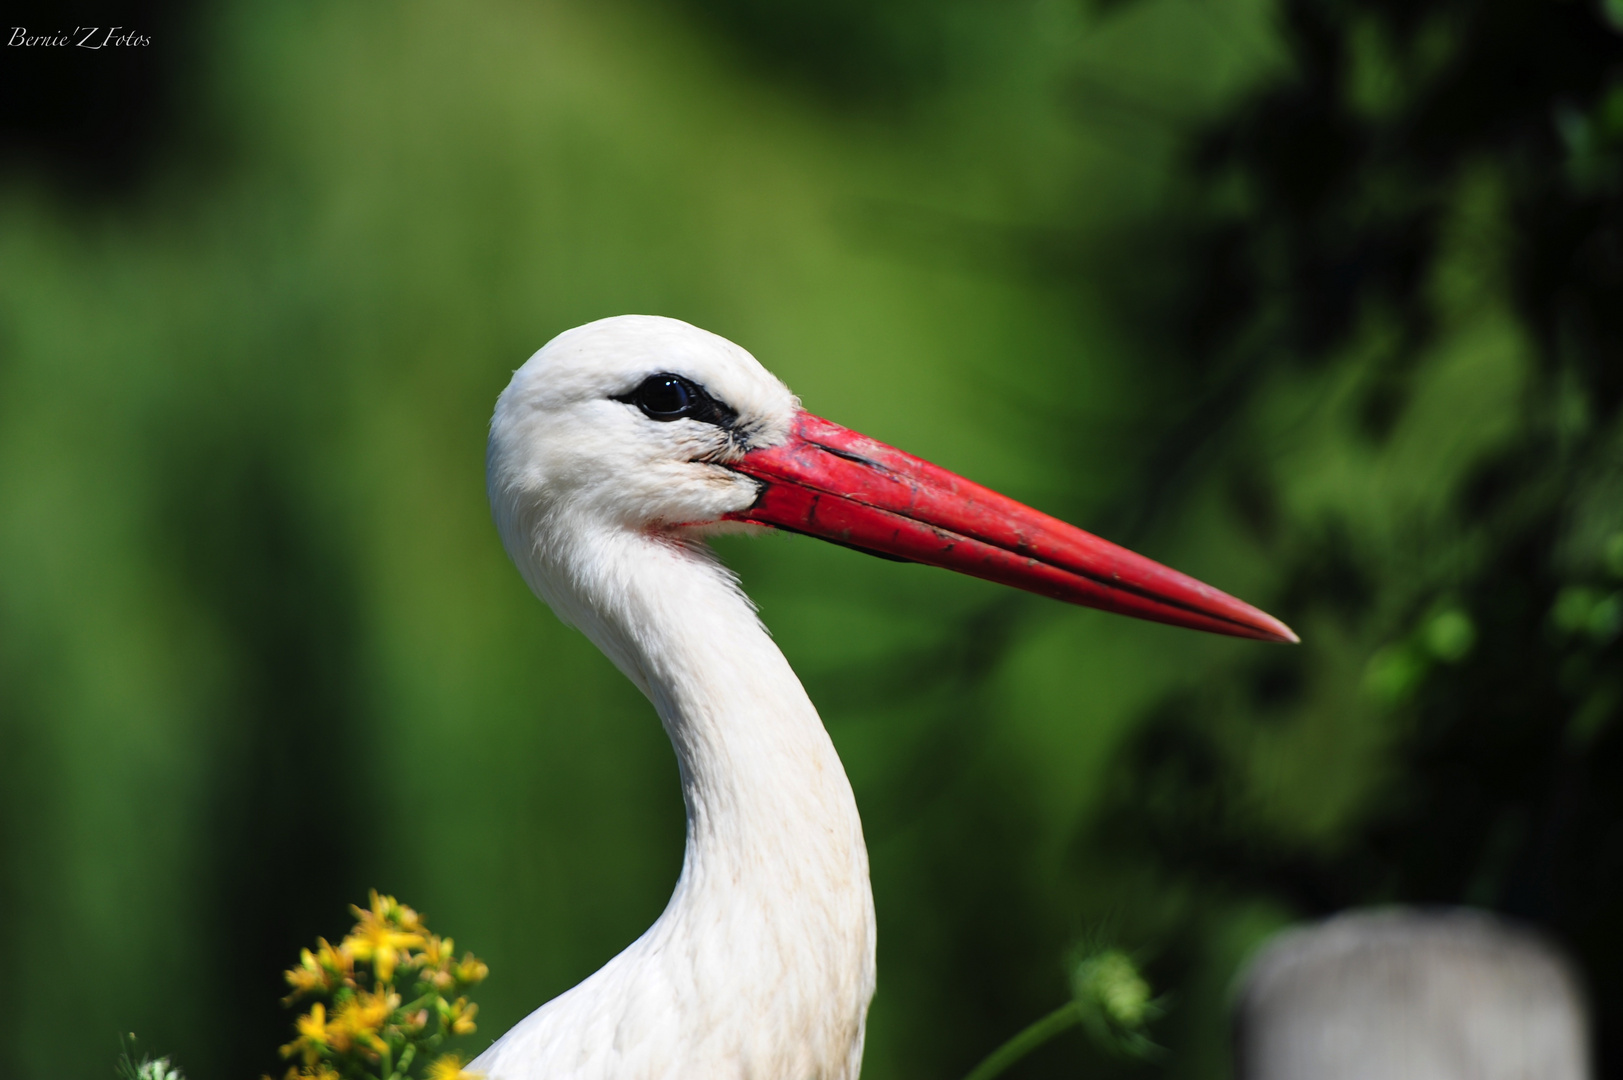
[442,970]
[312,1072]
[320,972]
[438,951]
[337,962]
[363,1016]
[369,1011]
[389,910]
[471,970]
[449,1067]
[459,1014]
[307,978]
[315,1035]
[384,935]
[437,960]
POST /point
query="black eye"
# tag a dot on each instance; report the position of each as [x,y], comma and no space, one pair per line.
[665,396]
[671,397]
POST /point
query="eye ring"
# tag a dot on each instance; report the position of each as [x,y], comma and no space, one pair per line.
[666,397]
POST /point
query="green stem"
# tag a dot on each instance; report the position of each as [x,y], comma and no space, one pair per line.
[420,1003]
[1025,1042]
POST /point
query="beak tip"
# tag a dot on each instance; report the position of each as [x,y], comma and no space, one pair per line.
[1286,636]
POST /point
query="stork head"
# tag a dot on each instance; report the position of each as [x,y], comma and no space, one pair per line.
[649,425]
[632,421]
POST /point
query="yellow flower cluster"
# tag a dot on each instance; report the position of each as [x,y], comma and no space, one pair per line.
[370,1030]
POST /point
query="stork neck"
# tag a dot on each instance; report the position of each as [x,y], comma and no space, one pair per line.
[760,777]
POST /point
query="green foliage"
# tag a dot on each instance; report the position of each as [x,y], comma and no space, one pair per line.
[1397,670]
[1419,228]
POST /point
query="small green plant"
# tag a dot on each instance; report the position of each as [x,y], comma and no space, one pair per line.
[147,1068]
[1111,1001]
[359,1025]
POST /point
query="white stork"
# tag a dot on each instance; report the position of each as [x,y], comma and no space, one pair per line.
[613,452]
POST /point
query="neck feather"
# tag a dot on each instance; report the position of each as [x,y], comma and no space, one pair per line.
[763,961]
[764,789]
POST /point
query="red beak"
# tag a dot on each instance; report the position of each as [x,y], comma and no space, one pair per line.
[830,482]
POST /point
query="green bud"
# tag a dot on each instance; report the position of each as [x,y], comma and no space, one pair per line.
[1114,980]
[1605,618]
[1612,551]
[1394,673]
[1571,609]
[1449,636]
[1114,1003]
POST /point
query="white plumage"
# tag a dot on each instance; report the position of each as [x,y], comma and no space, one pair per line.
[762,964]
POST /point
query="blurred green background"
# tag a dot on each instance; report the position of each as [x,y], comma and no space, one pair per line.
[1320,301]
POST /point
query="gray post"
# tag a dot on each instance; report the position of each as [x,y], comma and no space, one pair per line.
[1410,995]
